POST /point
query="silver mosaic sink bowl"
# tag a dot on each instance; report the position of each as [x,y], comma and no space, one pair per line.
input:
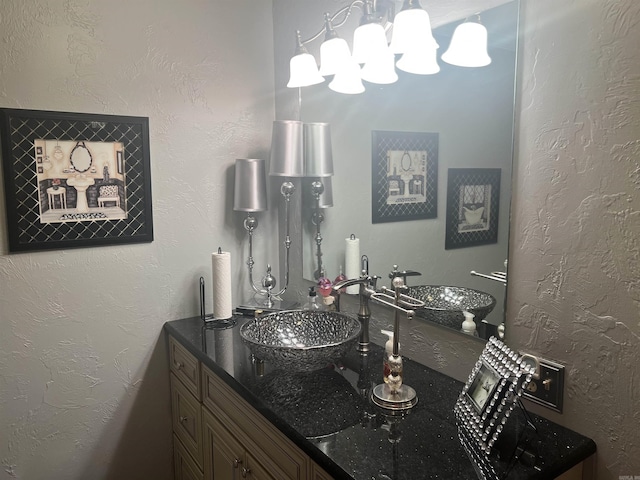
[301,340]
[445,304]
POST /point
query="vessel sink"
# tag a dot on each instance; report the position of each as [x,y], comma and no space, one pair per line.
[301,340]
[445,304]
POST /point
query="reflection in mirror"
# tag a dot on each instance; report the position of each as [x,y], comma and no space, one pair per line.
[471,111]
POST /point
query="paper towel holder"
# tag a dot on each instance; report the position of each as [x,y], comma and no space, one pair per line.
[208,318]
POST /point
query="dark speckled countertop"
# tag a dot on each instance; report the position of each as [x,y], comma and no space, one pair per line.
[328,414]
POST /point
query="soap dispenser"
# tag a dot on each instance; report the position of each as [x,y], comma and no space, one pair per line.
[469,325]
[312,301]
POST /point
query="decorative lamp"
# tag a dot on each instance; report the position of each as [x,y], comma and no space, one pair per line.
[286,149]
[250,192]
[318,157]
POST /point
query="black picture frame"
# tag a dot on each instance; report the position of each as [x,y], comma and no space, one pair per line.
[473,207]
[404,176]
[53,204]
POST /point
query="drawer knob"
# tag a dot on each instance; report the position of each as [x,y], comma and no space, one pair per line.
[179,365]
[183,419]
[245,472]
[236,462]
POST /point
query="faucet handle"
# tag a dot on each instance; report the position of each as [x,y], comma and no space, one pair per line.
[395,273]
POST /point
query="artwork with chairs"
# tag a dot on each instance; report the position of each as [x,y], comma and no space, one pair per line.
[108,193]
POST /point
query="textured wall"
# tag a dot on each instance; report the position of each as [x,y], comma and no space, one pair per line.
[574,271]
[83,379]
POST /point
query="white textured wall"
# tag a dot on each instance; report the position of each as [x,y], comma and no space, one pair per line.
[83,376]
[574,271]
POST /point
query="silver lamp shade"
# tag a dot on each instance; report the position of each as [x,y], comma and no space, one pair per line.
[250,193]
[318,159]
[286,149]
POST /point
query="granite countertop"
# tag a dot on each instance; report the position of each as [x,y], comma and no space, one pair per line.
[329,415]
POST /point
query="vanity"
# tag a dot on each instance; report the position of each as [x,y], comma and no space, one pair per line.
[237,417]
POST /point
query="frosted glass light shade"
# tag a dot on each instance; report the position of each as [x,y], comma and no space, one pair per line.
[318,156]
[412,28]
[468,47]
[348,79]
[303,71]
[286,149]
[380,69]
[333,54]
[368,41]
[250,189]
[419,61]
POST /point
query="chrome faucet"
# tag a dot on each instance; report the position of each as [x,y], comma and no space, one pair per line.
[367,289]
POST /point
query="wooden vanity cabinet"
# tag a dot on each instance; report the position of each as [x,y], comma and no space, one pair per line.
[266,449]
[218,435]
[227,458]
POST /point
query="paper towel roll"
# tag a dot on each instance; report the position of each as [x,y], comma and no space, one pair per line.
[222,301]
[352,262]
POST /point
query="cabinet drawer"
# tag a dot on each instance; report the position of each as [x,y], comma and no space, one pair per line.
[184,468]
[185,366]
[268,445]
[186,416]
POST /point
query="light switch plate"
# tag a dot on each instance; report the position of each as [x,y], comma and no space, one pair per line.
[547,390]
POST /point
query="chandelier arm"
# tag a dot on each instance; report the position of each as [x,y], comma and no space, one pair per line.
[346,11]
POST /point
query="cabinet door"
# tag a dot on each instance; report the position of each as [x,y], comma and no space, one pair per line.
[184,466]
[318,473]
[253,470]
[223,454]
[186,419]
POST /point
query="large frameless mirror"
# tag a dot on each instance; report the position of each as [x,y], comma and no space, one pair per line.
[461,119]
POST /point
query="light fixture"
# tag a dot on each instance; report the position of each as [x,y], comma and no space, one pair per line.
[411,38]
[419,61]
[380,69]
[369,39]
[303,70]
[348,80]
[412,29]
[468,47]
[334,51]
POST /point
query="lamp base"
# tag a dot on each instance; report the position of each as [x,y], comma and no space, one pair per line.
[403,399]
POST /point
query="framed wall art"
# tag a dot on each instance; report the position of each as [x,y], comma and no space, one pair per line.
[473,206]
[75,179]
[404,177]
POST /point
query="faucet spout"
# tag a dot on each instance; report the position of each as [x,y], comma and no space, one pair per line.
[367,288]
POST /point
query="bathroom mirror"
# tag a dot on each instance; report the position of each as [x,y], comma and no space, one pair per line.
[471,111]
[81,158]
